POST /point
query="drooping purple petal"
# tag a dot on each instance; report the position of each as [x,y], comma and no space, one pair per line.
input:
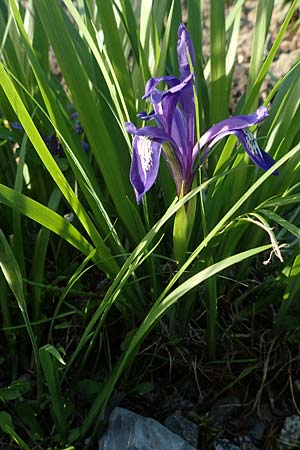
[234,123]
[261,158]
[144,164]
[171,153]
[155,133]
[209,147]
[185,49]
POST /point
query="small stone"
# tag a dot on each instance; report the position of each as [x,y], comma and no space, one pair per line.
[225,444]
[243,442]
[184,428]
[290,434]
[130,431]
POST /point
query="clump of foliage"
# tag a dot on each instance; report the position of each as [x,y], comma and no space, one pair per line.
[89,278]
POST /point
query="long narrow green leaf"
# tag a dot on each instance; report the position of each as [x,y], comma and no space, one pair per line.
[263,16]
[17,221]
[7,427]
[165,43]
[39,41]
[46,217]
[290,227]
[114,47]
[12,53]
[217,61]
[39,257]
[232,49]
[292,291]
[74,278]
[49,357]
[112,82]
[281,201]
[131,27]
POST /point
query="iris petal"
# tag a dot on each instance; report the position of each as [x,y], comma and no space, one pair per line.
[144,165]
[232,124]
[185,49]
[155,133]
[147,146]
[153,82]
[165,103]
[261,158]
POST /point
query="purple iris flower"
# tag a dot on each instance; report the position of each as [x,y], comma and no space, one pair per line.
[174,135]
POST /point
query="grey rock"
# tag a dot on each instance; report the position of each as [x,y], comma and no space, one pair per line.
[184,428]
[290,434]
[243,442]
[225,406]
[225,444]
[130,431]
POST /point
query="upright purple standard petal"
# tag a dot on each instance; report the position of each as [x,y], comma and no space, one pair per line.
[165,102]
[144,164]
[186,58]
[185,49]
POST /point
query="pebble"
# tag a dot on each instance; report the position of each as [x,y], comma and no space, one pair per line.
[240,443]
[290,434]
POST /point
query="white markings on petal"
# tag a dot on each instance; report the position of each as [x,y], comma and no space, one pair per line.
[252,143]
[145,152]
